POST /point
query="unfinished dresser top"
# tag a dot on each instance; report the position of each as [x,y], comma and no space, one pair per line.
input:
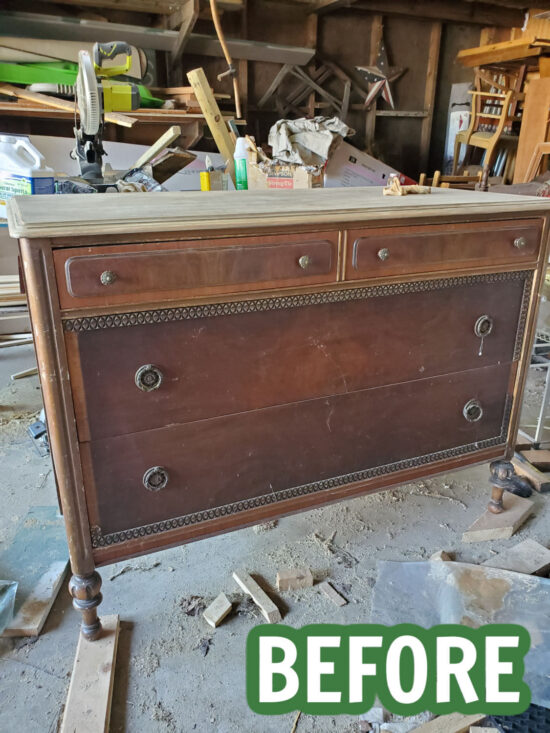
[57,216]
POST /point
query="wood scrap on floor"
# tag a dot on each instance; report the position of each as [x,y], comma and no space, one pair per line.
[332,594]
[538,458]
[528,557]
[441,556]
[33,612]
[500,526]
[260,598]
[37,559]
[220,607]
[88,706]
[295,578]
[453,723]
[539,480]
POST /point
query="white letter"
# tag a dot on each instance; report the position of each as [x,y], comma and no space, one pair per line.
[494,668]
[316,668]
[268,668]
[357,669]
[393,676]
[446,669]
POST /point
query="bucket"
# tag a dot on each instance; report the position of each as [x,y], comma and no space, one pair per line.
[23,170]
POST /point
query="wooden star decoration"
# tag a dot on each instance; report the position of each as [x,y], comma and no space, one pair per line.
[379,77]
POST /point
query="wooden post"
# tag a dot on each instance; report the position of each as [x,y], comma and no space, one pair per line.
[370,119]
[242,68]
[312,25]
[429,94]
[214,118]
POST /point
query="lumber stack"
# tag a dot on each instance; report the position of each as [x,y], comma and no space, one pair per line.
[10,291]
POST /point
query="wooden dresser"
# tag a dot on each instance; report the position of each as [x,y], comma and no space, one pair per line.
[212,360]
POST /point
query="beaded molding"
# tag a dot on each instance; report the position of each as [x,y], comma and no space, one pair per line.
[283,302]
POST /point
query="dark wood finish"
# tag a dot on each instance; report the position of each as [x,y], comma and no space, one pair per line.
[354,383]
[191,268]
[223,365]
[419,249]
[212,463]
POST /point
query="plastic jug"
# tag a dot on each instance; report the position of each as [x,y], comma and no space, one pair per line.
[23,170]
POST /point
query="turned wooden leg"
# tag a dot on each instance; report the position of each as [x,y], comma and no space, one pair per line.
[504,478]
[85,590]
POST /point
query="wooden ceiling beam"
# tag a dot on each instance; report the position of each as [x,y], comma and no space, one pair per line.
[447,10]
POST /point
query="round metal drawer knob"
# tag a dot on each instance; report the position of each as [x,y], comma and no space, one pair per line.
[108,277]
[304,262]
[148,377]
[155,478]
[484,326]
[383,254]
[520,242]
[472,411]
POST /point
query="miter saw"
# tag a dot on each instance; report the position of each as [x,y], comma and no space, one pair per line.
[94,96]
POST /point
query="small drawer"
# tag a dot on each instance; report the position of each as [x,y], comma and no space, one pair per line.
[111,275]
[396,251]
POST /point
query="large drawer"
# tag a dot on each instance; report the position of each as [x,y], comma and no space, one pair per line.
[416,249]
[148,477]
[259,354]
[107,275]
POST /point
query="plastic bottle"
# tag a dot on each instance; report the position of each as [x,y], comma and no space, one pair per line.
[241,158]
[23,170]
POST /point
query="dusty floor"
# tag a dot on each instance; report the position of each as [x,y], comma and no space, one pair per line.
[163,681]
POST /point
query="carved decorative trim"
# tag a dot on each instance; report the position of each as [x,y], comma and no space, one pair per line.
[284,302]
[101,540]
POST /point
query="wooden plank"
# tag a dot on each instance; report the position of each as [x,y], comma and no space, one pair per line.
[37,25]
[160,7]
[538,458]
[260,598]
[47,101]
[33,612]
[163,142]
[495,53]
[332,594]
[528,557]
[540,480]
[534,125]
[187,16]
[447,10]
[214,119]
[429,94]
[453,723]
[500,526]
[88,706]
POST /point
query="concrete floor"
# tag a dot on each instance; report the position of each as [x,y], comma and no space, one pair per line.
[163,683]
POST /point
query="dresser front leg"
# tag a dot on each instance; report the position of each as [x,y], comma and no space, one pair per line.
[85,590]
[504,478]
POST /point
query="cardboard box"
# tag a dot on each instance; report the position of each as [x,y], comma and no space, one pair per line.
[283,176]
[349,166]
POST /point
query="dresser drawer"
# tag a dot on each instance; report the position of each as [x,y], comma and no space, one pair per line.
[139,479]
[205,366]
[147,273]
[396,251]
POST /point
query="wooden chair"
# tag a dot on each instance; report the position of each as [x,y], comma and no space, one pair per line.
[489,109]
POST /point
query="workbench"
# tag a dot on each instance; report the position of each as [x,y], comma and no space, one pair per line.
[214,360]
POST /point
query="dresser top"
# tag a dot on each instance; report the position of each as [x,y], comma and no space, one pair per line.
[97,214]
